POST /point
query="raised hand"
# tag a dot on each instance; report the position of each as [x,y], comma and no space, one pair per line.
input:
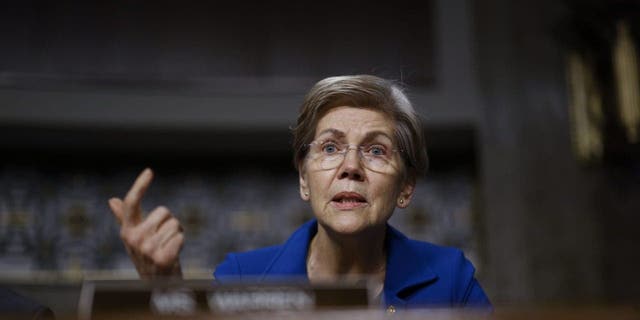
[153,242]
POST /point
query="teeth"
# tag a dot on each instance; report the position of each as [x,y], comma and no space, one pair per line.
[348,200]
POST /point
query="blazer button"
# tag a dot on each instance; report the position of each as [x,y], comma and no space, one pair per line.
[391,309]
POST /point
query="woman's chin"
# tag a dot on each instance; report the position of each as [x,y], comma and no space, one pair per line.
[347,224]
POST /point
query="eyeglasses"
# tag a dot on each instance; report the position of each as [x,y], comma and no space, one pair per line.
[329,155]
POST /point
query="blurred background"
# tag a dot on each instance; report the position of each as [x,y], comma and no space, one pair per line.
[531,109]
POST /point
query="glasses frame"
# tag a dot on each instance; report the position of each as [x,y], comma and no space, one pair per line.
[344,150]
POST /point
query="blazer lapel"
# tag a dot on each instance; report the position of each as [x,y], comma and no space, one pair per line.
[291,260]
[405,268]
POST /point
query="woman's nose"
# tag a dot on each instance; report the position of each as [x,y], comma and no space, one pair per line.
[352,165]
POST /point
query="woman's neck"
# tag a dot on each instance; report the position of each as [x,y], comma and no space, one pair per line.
[337,257]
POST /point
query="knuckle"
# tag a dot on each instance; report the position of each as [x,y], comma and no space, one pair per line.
[161,213]
[180,237]
[147,249]
[163,210]
[135,240]
[174,224]
[129,238]
[162,259]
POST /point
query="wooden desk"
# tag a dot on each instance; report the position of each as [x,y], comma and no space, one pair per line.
[511,313]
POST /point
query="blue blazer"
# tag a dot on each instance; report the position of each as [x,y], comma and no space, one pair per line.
[419,274]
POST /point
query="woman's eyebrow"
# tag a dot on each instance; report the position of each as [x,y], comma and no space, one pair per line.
[369,136]
[335,132]
[375,134]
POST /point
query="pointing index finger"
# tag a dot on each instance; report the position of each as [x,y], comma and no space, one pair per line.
[133,199]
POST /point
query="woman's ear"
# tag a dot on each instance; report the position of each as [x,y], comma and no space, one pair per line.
[304,187]
[406,193]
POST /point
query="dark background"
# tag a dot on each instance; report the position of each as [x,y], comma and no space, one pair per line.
[209,87]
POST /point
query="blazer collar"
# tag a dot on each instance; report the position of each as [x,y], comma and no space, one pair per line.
[291,260]
[405,269]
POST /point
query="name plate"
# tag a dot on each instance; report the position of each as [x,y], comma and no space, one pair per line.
[190,297]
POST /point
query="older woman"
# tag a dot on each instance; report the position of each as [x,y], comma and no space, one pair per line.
[358,148]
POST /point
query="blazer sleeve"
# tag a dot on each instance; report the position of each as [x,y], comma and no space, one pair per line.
[472,294]
[229,269]
[475,296]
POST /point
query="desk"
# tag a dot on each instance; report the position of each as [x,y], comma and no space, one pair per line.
[556,313]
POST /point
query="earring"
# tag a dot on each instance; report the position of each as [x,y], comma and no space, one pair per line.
[306,194]
[401,201]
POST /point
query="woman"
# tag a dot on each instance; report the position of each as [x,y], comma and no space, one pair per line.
[358,148]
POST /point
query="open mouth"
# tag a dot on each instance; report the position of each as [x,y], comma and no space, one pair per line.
[348,200]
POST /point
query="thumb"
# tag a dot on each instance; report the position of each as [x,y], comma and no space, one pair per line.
[116,206]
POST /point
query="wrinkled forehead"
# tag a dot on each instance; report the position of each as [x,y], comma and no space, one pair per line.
[359,137]
[355,123]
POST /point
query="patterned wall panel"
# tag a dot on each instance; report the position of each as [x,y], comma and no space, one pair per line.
[60,220]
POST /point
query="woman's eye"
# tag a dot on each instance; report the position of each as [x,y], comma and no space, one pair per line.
[377,150]
[329,148]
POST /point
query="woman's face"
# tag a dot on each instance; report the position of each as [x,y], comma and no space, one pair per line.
[357,194]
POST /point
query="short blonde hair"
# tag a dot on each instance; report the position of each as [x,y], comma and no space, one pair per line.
[369,92]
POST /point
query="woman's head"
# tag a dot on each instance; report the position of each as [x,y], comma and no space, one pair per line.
[358,150]
[366,92]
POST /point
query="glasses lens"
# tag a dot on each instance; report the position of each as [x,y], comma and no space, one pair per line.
[330,156]
[332,162]
[375,163]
